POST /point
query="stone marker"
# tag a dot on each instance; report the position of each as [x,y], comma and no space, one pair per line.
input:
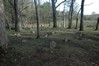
[52,46]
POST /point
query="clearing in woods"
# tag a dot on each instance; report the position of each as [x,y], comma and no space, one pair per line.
[54,48]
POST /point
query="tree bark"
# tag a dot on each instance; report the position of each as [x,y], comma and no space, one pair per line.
[64,20]
[37,18]
[3,35]
[70,15]
[81,20]
[17,23]
[97,24]
[77,19]
[76,23]
[54,14]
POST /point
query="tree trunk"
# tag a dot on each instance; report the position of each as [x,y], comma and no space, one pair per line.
[76,23]
[6,11]
[97,24]
[64,20]
[17,24]
[77,19]
[37,18]
[54,14]
[70,15]
[3,35]
[81,20]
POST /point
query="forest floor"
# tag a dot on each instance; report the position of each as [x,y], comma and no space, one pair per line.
[55,47]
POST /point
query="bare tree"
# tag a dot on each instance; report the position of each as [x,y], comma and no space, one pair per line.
[81,20]
[77,19]
[16,19]
[64,20]
[3,35]
[78,14]
[54,14]
[54,7]
[37,18]
[70,14]
[97,24]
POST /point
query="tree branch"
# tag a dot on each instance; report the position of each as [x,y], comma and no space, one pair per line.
[60,3]
[88,4]
[78,11]
[84,5]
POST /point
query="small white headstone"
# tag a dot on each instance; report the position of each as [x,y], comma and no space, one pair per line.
[15,34]
[46,35]
[66,40]
[33,32]
[52,44]
[18,35]
[53,33]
